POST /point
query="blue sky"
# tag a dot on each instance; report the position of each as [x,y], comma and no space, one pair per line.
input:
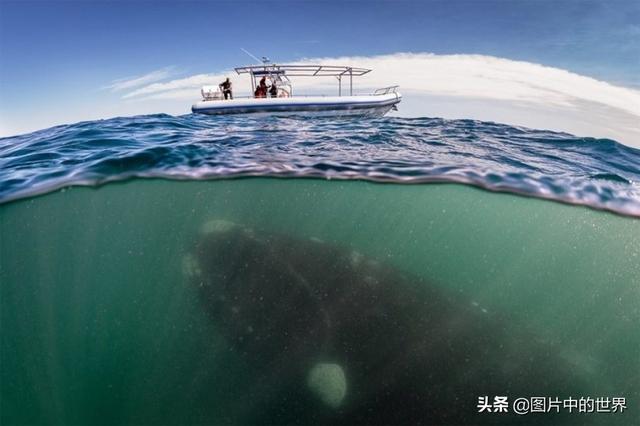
[57,57]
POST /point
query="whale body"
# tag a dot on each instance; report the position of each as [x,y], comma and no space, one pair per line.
[335,337]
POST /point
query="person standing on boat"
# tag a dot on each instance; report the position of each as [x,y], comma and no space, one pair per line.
[226,89]
[273,90]
[263,85]
[261,90]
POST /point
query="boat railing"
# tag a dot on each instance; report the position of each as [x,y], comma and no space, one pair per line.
[386,90]
[221,99]
[381,91]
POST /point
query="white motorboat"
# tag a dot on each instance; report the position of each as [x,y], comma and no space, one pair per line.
[283,102]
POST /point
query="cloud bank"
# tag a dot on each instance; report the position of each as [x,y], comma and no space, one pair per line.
[472,76]
[463,86]
[449,86]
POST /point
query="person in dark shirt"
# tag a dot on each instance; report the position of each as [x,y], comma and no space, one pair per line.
[226,89]
[273,90]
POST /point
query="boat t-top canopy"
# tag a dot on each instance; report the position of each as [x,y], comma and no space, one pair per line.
[302,70]
[282,72]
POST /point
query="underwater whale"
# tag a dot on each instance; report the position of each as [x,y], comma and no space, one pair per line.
[334,337]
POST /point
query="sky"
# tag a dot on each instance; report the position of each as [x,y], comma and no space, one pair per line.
[569,65]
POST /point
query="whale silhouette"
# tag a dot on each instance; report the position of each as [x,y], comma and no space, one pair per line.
[334,337]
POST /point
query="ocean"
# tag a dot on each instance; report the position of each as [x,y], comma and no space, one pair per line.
[480,259]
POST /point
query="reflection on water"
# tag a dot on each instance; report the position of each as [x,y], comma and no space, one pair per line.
[298,301]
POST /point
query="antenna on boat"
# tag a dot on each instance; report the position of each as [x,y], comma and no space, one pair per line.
[264,59]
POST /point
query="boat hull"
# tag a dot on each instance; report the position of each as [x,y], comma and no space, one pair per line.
[363,105]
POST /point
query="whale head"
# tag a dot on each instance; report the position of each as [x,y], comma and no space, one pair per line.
[256,299]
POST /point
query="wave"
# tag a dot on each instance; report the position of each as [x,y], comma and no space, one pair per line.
[598,173]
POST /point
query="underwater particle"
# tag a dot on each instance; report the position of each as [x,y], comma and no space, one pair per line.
[328,382]
[190,266]
[217,225]
[356,258]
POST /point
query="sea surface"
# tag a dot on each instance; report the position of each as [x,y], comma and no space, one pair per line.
[101,322]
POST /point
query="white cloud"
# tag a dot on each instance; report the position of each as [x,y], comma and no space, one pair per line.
[470,76]
[491,78]
[465,86]
[448,86]
[193,83]
[131,82]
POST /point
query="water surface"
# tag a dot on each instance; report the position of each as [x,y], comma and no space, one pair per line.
[102,324]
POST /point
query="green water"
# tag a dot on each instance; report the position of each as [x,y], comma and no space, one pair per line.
[98,324]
